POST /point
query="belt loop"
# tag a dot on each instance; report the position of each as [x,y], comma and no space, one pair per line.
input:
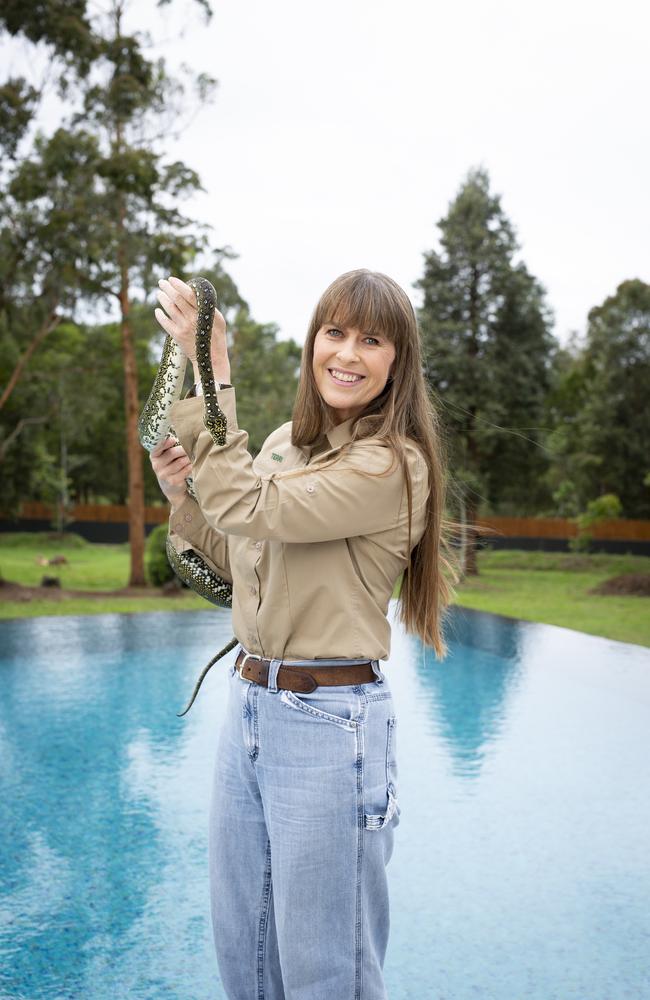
[376,669]
[233,669]
[274,666]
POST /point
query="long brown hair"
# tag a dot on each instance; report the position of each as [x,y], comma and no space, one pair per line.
[374,303]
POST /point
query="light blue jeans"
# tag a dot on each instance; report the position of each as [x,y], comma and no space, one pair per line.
[302,821]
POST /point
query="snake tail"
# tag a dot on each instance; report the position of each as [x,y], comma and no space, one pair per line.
[204,673]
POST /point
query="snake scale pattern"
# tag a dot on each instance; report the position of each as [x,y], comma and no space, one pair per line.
[154,427]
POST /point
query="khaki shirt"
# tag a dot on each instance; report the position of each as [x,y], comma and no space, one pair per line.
[313,554]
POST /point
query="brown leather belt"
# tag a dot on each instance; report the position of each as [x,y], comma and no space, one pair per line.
[303,679]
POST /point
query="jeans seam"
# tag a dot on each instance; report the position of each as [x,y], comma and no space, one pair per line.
[358,980]
[256,731]
[264,922]
[389,747]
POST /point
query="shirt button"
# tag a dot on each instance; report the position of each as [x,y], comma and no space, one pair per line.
[310,488]
[178,526]
[258,545]
[188,517]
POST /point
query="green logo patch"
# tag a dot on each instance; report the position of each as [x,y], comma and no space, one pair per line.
[276,457]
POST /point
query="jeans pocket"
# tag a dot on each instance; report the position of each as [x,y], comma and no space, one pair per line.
[390,810]
[337,709]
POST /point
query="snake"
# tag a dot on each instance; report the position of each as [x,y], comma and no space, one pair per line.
[154,426]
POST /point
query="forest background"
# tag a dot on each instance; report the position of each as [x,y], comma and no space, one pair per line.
[90,219]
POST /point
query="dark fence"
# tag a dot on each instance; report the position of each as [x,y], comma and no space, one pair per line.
[109,523]
[94,522]
[552,534]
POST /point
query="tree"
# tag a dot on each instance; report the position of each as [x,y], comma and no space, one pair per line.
[488,347]
[568,476]
[48,251]
[127,103]
[614,423]
[142,229]
[73,450]
[61,25]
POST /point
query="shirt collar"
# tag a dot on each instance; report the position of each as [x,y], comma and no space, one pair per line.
[333,438]
[340,434]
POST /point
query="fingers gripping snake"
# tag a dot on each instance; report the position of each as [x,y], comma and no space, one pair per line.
[154,427]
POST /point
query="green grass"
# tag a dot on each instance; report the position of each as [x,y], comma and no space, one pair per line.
[91,567]
[553,587]
[110,605]
[536,586]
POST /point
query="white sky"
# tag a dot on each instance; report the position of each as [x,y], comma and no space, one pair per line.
[342,130]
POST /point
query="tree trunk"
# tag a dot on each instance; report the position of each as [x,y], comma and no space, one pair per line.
[135,474]
[132,409]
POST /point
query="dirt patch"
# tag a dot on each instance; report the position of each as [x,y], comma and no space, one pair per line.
[18,592]
[628,584]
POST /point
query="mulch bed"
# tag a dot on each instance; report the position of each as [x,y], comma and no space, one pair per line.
[627,584]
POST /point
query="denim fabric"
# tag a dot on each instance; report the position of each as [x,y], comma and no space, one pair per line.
[302,820]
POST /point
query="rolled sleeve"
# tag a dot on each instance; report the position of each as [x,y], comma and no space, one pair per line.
[188,529]
[301,505]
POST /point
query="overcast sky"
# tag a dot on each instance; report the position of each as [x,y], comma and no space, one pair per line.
[342,130]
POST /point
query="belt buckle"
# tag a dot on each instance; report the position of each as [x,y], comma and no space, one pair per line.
[247,656]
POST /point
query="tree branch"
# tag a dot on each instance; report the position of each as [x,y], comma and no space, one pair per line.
[50,323]
[22,423]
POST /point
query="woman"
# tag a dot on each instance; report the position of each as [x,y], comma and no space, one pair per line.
[314,533]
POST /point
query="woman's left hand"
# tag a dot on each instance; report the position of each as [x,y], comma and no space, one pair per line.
[178,318]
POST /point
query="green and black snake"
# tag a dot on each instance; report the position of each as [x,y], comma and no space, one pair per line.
[154,427]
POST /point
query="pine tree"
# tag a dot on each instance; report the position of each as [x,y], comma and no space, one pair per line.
[488,346]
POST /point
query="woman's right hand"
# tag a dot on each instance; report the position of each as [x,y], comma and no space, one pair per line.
[172,466]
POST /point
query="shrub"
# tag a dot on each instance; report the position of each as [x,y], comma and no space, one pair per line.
[156,565]
[603,508]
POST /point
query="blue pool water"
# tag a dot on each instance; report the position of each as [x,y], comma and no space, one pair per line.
[521,865]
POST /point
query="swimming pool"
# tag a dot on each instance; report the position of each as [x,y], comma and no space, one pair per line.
[521,865]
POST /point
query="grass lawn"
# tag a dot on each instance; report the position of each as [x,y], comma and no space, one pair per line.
[553,587]
[90,567]
[536,586]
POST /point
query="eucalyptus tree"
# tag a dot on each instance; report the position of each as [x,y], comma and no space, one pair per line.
[125,106]
[130,104]
[488,347]
[46,252]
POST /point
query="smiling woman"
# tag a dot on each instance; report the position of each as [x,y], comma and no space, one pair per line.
[314,532]
[351,367]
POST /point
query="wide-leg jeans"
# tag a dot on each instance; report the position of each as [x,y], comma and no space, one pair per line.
[302,820]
